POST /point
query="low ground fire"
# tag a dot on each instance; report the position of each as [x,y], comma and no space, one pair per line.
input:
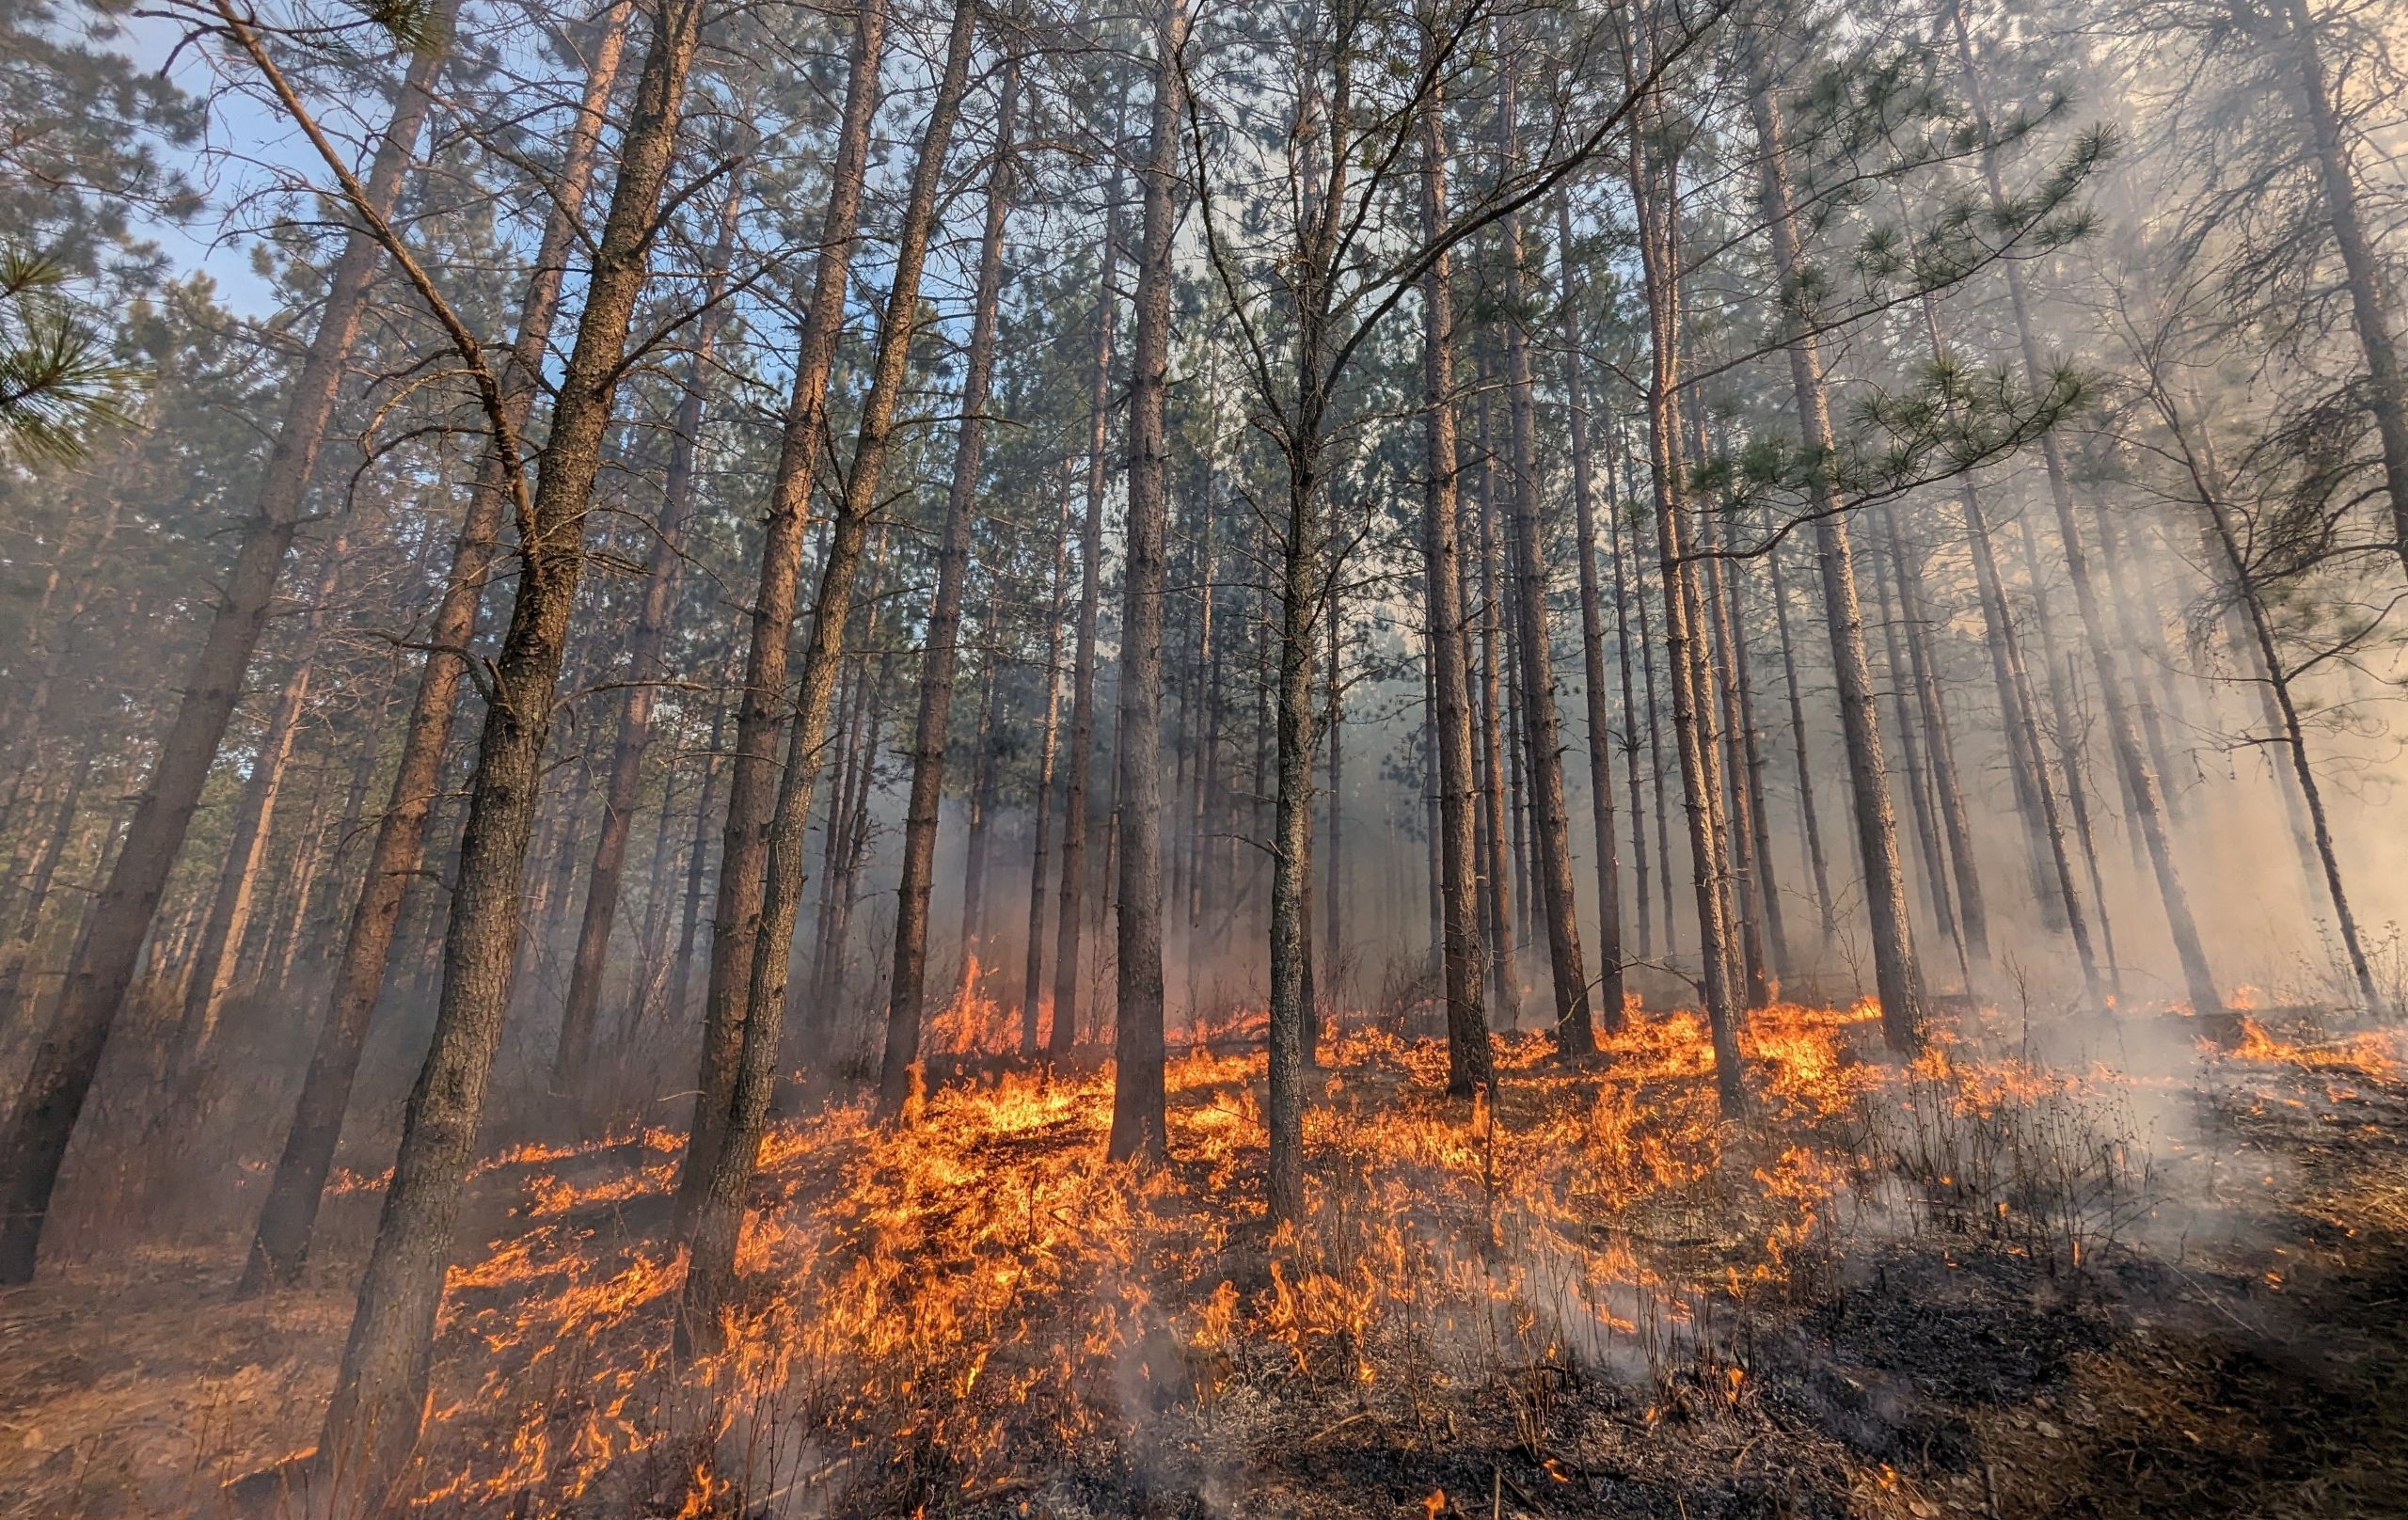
[1948,1286]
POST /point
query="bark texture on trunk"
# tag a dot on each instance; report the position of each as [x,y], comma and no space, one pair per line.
[1075,806]
[1593,646]
[752,768]
[1624,591]
[1877,831]
[2370,297]
[1654,193]
[1040,827]
[380,1393]
[1498,865]
[648,643]
[1138,1125]
[906,991]
[716,1217]
[1550,822]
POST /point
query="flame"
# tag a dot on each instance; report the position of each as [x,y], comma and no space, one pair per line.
[2369,1055]
[973,1024]
[930,1303]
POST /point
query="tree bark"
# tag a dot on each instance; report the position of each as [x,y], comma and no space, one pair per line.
[622,788]
[1333,923]
[1939,748]
[1042,828]
[752,766]
[2245,588]
[379,1399]
[1723,671]
[1752,753]
[982,800]
[281,1241]
[1894,955]
[1911,753]
[1810,818]
[1624,591]
[1592,641]
[1653,192]
[2369,304]
[1504,963]
[713,1222]
[22,938]
[331,891]
[1139,1127]
[216,956]
[2188,950]
[681,970]
[1656,753]
[1207,694]
[938,658]
[1075,805]
[2027,754]
[907,992]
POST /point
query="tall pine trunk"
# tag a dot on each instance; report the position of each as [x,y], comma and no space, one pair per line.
[1624,592]
[281,1241]
[1499,861]
[1138,1125]
[1915,777]
[2028,755]
[380,1394]
[1075,806]
[681,961]
[217,955]
[1810,817]
[1049,737]
[1550,822]
[752,768]
[906,991]
[2248,595]
[726,1143]
[1654,193]
[623,787]
[2123,739]
[1940,747]
[983,762]
[1592,644]
[1751,756]
[1877,831]
[1723,674]
[2361,262]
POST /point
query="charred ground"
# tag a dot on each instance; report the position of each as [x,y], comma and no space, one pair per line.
[1987,1284]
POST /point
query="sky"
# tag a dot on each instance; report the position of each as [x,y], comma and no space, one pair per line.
[242,149]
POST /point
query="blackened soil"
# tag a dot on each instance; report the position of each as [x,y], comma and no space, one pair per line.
[2250,1361]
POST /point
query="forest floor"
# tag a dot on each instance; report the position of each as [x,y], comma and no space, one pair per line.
[2152,1266]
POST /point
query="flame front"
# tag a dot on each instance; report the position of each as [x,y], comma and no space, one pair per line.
[928,1307]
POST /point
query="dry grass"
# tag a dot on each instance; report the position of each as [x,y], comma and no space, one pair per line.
[1597,1299]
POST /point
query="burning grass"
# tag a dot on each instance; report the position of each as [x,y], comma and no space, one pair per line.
[974,1313]
[975,1304]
